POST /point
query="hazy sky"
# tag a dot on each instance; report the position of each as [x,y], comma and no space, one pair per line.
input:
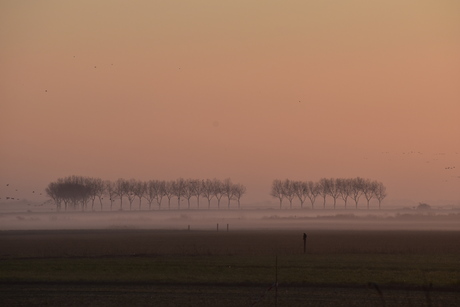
[251,90]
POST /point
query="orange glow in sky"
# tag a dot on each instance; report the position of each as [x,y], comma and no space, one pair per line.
[251,90]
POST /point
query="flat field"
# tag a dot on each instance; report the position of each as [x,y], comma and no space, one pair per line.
[234,268]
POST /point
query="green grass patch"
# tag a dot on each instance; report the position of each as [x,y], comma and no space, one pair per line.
[348,269]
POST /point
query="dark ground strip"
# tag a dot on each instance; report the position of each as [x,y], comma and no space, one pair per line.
[101,294]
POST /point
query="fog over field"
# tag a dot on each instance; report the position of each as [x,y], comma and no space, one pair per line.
[247,219]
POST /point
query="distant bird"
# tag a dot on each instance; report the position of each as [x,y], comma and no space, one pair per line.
[94,66]
[7,184]
[46,91]
[33,191]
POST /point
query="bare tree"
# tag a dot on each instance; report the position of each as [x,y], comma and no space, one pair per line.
[357,189]
[208,191]
[345,189]
[110,190]
[197,190]
[139,188]
[238,191]
[289,191]
[53,191]
[169,192]
[227,190]
[75,192]
[160,192]
[218,190]
[121,190]
[333,189]
[188,191]
[130,187]
[369,188]
[179,189]
[97,189]
[380,193]
[92,191]
[277,191]
[312,192]
[150,193]
[323,190]
[301,191]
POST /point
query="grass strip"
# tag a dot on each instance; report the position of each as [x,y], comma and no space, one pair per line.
[349,269]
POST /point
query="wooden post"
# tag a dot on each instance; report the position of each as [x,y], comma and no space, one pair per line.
[188,227]
[227,227]
[217,226]
[304,243]
[276,281]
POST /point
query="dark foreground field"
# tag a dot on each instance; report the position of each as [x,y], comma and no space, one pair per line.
[236,268]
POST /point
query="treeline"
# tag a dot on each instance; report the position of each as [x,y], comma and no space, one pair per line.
[343,188]
[78,193]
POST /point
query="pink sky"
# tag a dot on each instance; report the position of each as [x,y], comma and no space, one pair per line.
[250,90]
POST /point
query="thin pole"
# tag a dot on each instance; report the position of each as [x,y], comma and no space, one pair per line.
[304,243]
[276,281]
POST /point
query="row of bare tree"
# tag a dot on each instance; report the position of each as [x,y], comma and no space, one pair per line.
[77,192]
[343,188]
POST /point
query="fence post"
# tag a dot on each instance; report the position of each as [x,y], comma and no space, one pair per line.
[304,243]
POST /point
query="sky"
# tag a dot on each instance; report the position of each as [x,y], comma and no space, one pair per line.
[250,90]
